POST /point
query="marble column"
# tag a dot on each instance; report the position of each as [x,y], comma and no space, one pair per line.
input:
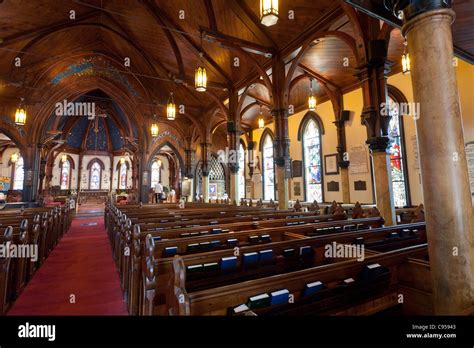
[446,190]
[205,188]
[346,196]
[341,158]
[205,171]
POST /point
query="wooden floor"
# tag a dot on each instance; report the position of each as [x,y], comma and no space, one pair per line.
[81,265]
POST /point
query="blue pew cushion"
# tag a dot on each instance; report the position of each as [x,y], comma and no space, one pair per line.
[253,239]
[216,230]
[215,243]
[157,238]
[265,238]
[232,242]
[306,251]
[289,252]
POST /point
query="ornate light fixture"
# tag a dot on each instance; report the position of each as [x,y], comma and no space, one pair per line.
[154,127]
[64,158]
[200,75]
[122,160]
[159,163]
[171,108]
[405,60]
[20,114]
[200,78]
[14,157]
[268,12]
[311,98]
[261,121]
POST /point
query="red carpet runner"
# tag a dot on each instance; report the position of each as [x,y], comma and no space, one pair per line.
[80,265]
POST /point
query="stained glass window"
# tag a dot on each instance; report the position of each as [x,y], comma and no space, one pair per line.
[268,169]
[95,175]
[123,176]
[312,161]
[155,173]
[18,174]
[241,173]
[397,161]
[65,171]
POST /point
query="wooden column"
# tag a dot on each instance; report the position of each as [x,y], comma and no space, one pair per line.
[341,158]
[233,135]
[374,89]
[281,144]
[446,190]
[189,172]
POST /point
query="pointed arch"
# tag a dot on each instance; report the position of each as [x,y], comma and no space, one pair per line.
[310,115]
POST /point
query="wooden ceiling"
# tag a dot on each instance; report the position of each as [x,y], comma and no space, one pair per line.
[164,48]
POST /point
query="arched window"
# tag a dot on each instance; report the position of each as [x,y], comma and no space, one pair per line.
[268,169]
[122,181]
[18,174]
[155,172]
[312,161]
[241,173]
[65,180]
[398,167]
[95,176]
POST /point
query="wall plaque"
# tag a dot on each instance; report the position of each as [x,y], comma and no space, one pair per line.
[297,169]
[358,159]
[360,185]
[333,186]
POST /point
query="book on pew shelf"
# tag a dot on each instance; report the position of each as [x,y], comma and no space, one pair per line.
[177,227]
[193,247]
[212,266]
[372,271]
[249,258]
[215,243]
[216,230]
[289,252]
[240,309]
[348,281]
[253,239]
[413,232]
[194,234]
[393,235]
[225,231]
[312,288]
[213,222]
[306,251]
[205,245]
[203,233]
[232,242]
[405,232]
[164,221]
[265,238]
[228,262]
[359,240]
[194,268]
[266,255]
[157,238]
[259,301]
[279,297]
[184,235]
[171,251]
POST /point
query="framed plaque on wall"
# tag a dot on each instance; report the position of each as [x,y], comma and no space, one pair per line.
[330,164]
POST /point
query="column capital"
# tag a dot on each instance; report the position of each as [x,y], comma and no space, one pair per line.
[412,9]
[378,144]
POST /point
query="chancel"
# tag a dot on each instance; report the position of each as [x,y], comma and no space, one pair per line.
[236,158]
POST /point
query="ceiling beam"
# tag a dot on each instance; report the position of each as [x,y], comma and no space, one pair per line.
[171,25]
[210,14]
[317,76]
[154,11]
[260,100]
[245,14]
[46,29]
[231,42]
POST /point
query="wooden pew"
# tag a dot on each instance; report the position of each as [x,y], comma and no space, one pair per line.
[218,301]
[276,259]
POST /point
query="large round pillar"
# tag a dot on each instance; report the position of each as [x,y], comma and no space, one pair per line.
[446,191]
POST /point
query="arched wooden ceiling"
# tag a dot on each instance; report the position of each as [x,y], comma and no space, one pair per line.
[164,48]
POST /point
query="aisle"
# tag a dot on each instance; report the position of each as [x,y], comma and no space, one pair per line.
[81,265]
